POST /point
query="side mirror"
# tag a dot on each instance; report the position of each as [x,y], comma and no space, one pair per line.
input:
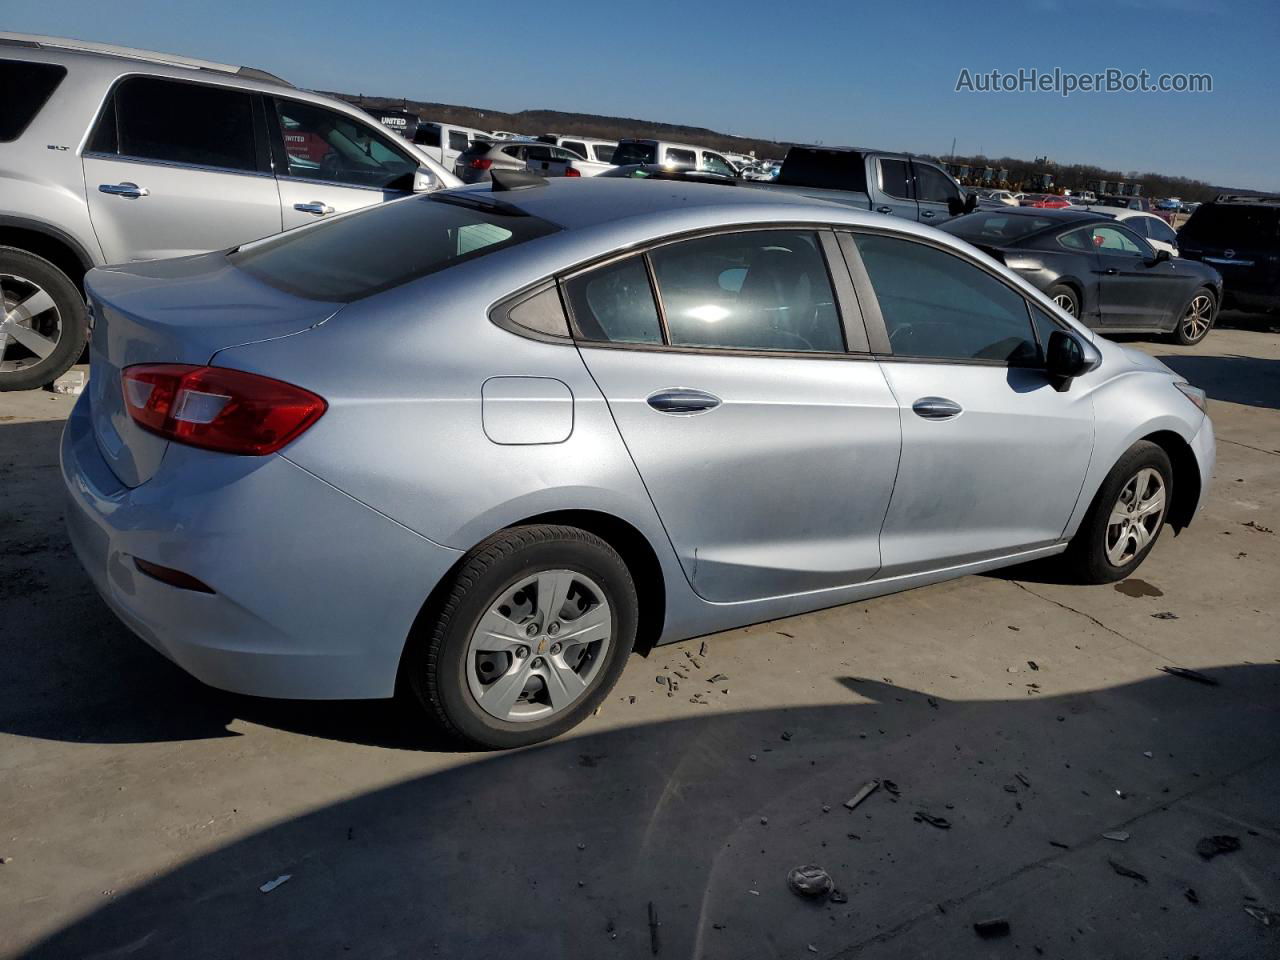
[1161,257]
[424,181]
[1068,357]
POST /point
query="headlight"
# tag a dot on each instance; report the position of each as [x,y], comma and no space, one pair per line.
[1194,394]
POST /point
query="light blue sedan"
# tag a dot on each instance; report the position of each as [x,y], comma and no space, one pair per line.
[474,448]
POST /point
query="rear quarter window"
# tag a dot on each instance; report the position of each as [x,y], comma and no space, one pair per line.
[26,88]
[385,246]
[629,153]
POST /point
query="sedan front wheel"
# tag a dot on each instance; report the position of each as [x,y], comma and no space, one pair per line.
[1197,319]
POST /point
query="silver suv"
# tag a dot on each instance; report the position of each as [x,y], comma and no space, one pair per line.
[112,154]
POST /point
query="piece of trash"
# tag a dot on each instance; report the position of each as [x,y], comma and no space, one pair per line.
[653,928]
[989,929]
[582,846]
[812,948]
[1164,615]
[1124,871]
[764,821]
[1010,788]
[6,859]
[1262,914]
[826,808]
[697,698]
[1122,795]
[1023,780]
[809,881]
[702,649]
[1120,836]
[1195,675]
[661,680]
[942,823]
[1033,665]
[718,678]
[1257,526]
[752,758]
[1015,629]
[838,896]
[693,660]
[1210,847]
[1148,754]
[631,699]
[933,703]
[890,785]
[1059,845]
[754,893]
[679,674]
[70,384]
[272,884]
[789,636]
[1191,895]
[786,734]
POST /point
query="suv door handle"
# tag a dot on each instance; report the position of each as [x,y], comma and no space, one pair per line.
[315,206]
[683,401]
[125,189]
[927,214]
[936,408]
[884,209]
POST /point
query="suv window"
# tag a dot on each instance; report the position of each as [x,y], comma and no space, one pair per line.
[825,169]
[937,305]
[765,290]
[383,246]
[27,87]
[614,303]
[895,179]
[603,152]
[628,153]
[1159,230]
[1234,225]
[933,185]
[716,163]
[427,135]
[458,140]
[576,146]
[322,144]
[177,122]
[682,158]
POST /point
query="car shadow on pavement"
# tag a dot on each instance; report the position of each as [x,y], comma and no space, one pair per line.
[675,839]
[1252,381]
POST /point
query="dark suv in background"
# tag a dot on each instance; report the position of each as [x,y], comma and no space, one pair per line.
[1240,236]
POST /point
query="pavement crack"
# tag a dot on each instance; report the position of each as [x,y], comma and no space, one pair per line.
[1092,619]
[1249,446]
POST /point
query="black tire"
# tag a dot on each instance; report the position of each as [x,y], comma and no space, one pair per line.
[1061,290]
[1186,333]
[434,672]
[1086,558]
[71,310]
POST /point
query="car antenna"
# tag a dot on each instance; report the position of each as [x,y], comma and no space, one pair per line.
[515,180]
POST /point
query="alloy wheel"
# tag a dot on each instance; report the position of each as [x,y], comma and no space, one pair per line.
[31,325]
[1135,519]
[1067,303]
[1195,322]
[539,646]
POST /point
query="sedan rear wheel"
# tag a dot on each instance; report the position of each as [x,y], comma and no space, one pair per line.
[1065,298]
[1197,319]
[1125,518]
[532,631]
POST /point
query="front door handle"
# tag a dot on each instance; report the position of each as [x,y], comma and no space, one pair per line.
[884,209]
[927,214]
[1112,271]
[125,189]
[936,408]
[683,401]
[315,206]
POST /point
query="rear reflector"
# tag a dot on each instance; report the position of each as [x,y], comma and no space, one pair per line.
[175,578]
[218,409]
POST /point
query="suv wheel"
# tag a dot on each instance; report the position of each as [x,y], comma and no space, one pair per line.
[1125,517]
[535,627]
[43,329]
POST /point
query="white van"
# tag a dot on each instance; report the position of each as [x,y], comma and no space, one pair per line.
[597,151]
[682,156]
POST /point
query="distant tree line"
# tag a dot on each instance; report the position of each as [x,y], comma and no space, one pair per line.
[535,122]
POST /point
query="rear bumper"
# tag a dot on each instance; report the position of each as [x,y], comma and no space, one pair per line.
[315,592]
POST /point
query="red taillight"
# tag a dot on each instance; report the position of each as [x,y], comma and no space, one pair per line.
[572,172]
[218,409]
[480,163]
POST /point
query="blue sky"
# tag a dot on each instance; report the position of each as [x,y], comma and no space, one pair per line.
[880,76]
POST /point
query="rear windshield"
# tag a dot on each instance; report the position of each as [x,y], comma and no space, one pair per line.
[1002,227]
[628,153]
[1232,225]
[824,169]
[384,246]
[26,87]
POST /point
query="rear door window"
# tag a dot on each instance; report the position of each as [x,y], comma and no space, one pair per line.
[149,118]
[27,87]
[895,179]
[629,153]
[680,158]
[716,163]
[384,246]
[427,135]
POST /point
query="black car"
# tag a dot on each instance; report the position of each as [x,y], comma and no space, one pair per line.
[1240,237]
[1097,269]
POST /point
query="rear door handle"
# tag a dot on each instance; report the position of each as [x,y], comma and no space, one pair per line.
[936,408]
[125,189]
[315,206]
[884,209]
[927,214]
[682,401]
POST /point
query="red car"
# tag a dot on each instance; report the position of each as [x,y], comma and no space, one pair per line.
[1047,201]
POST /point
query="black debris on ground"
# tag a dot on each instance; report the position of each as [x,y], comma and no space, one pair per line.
[990,929]
[1191,895]
[653,929]
[1165,615]
[809,881]
[1124,871]
[1210,847]
[922,816]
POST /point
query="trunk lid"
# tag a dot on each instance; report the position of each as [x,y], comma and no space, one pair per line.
[174,311]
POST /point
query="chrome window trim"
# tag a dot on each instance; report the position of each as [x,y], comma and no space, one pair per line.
[198,167]
[344,186]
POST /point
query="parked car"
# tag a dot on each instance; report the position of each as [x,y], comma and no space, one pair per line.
[885,182]
[112,154]
[1239,236]
[1002,196]
[445,142]
[1098,270]
[597,151]
[677,155]
[1127,203]
[1169,203]
[1152,228]
[477,162]
[760,171]
[1046,201]
[515,490]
